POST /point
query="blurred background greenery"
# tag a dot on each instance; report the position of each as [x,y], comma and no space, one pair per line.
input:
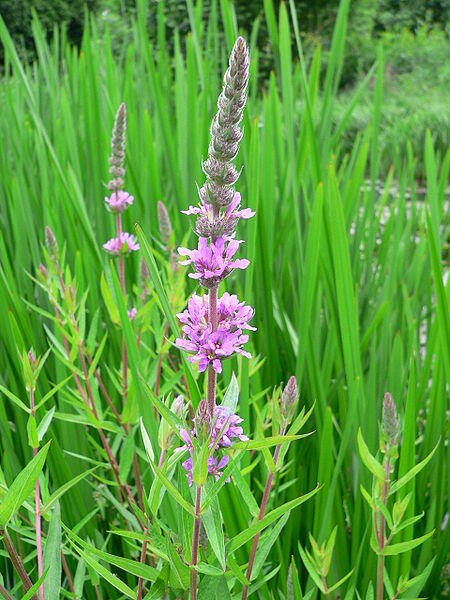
[414,35]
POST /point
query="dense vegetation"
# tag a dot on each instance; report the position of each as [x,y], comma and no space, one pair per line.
[346,279]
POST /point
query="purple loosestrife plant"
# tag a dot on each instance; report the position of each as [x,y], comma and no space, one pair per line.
[213,327]
[124,243]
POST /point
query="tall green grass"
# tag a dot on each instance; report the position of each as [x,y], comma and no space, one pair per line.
[347,281]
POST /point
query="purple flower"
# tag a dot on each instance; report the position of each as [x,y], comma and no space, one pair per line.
[210,347]
[132,313]
[218,345]
[214,467]
[226,426]
[124,244]
[224,223]
[189,467]
[232,314]
[213,262]
[119,201]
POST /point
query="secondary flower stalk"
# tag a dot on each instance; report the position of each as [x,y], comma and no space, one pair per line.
[124,243]
[289,400]
[388,444]
[33,363]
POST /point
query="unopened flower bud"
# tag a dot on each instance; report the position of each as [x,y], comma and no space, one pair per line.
[32,359]
[165,432]
[165,226]
[144,274]
[389,419]
[51,243]
[43,272]
[178,406]
[202,418]
[289,399]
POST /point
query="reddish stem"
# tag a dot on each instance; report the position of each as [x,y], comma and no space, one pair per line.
[325,587]
[262,510]
[4,593]
[382,533]
[67,572]
[115,467]
[37,518]
[212,377]
[161,458]
[143,557]
[195,536]
[17,563]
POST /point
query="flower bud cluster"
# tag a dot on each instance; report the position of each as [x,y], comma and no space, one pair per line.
[289,399]
[389,427]
[218,211]
[119,200]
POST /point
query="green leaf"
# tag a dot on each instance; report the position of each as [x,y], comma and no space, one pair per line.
[394,549]
[213,523]
[246,493]
[265,544]
[397,485]
[311,569]
[340,582]
[22,486]
[45,423]
[17,401]
[231,396]
[368,498]
[258,525]
[63,489]
[109,301]
[268,441]
[126,456]
[371,463]
[34,588]
[100,570]
[52,557]
[32,432]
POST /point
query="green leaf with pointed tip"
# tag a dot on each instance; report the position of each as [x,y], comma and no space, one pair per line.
[45,423]
[213,523]
[104,573]
[340,582]
[397,485]
[268,441]
[371,463]
[63,489]
[394,549]
[273,515]
[34,588]
[311,569]
[22,486]
[52,557]
[231,396]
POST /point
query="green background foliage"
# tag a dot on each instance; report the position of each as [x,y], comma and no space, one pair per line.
[346,248]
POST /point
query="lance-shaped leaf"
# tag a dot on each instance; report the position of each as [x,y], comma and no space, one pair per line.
[371,463]
[397,485]
[22,486]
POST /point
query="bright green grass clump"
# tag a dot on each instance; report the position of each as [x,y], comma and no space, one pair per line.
[347,278]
